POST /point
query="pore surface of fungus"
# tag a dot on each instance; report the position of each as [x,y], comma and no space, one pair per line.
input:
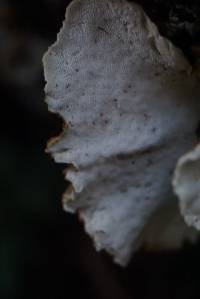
[130,101]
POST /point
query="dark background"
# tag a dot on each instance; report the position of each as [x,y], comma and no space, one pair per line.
[44,252]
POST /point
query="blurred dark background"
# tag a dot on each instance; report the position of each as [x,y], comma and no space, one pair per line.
[44,252]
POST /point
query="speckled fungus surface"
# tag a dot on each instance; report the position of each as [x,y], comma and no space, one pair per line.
[131,104]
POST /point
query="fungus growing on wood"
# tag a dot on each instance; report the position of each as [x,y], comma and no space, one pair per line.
[131,104]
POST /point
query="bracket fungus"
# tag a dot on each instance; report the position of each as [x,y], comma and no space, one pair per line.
[130,100]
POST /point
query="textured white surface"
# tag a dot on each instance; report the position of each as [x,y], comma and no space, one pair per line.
[130,102]
[187,186]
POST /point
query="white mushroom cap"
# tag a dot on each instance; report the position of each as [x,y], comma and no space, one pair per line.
[131,104]
[186,184]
